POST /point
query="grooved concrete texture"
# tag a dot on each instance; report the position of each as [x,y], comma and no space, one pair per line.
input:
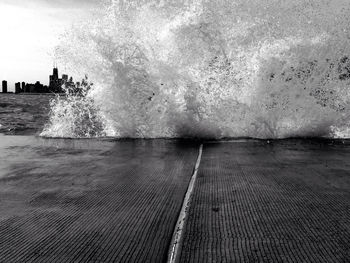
[90,201]
[286,201]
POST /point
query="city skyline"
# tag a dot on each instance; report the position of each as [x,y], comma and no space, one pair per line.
[55,84]
[30,31]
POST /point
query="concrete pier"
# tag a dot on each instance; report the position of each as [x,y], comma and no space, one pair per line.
[286,201]
[84,201]
[118,201]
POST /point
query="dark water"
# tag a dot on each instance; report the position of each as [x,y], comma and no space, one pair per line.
[23,114]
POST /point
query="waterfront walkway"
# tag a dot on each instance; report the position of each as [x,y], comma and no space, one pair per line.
[119,201]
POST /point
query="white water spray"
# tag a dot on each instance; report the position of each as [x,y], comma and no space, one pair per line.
[226,68]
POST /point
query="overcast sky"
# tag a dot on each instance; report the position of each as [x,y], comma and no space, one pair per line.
[30,30]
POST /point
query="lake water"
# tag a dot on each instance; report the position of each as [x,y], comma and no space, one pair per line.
[23,114]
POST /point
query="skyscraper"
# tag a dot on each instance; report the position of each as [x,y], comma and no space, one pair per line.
[55,84]
[18,87]
[55,72]
[65,77]
[4,86]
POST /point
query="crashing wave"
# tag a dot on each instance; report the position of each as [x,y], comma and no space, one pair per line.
[199,68]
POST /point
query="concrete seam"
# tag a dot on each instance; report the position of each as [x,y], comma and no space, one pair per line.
[176,241]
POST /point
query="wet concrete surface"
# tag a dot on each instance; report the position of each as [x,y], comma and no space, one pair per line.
[118,201]
[90,200]
[286,201]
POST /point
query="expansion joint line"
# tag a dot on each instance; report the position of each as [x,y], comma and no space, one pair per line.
[176,241]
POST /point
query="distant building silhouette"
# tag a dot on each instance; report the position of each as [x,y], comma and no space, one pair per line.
[39,88]
[18,87]
[65,78]
[4,86]
[36,88]
[26,88]
[55,83]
